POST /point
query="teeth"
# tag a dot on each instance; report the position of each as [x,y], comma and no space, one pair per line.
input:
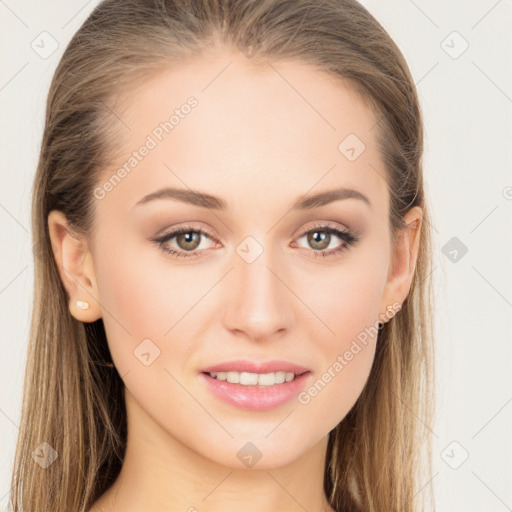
[253,379]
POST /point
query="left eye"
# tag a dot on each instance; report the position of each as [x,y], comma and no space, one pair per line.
[188,240]
[320,238]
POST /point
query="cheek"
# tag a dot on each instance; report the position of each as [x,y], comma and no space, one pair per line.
[149,305]
[335,389]
[346,297]
[142,289]
[345,358]
[349,302]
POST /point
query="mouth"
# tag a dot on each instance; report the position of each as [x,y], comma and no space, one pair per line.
[255,391]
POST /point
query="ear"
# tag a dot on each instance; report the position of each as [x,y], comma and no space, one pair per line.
[74,262]
[403,264]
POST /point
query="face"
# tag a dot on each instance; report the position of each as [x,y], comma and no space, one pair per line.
[260,273]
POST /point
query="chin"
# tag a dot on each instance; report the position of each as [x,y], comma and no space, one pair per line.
[256,453]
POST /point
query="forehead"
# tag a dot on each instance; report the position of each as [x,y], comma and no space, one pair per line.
[255,127]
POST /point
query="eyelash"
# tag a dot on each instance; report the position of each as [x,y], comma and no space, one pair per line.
[347,236]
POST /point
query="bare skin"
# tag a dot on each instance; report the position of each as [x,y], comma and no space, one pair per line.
[256,143]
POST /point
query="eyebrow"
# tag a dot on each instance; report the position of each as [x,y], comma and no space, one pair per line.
[205,200]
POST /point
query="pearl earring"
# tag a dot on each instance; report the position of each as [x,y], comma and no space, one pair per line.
[82,304]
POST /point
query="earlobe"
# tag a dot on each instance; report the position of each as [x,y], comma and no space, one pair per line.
[404,260]
[74,263]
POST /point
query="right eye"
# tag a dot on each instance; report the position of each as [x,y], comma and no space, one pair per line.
[188,240]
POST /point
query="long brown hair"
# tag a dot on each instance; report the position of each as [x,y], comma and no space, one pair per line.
[379,455]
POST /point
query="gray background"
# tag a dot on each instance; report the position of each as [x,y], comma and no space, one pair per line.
[467,103]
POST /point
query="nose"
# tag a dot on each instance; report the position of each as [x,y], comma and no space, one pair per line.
[260,305]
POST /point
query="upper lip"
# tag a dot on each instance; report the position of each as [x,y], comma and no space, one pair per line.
[256,367]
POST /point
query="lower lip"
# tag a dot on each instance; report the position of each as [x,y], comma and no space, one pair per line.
[253,397]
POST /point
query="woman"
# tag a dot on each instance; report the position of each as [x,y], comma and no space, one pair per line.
[232,294]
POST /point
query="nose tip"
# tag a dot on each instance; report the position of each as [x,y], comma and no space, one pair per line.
[259,302]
